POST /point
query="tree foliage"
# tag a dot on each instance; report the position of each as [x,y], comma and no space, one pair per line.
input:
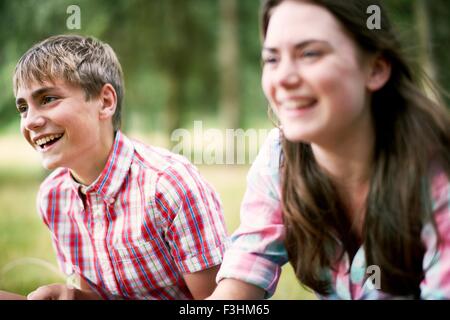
[171,50]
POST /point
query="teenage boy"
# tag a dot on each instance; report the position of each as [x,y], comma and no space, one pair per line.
[127,221]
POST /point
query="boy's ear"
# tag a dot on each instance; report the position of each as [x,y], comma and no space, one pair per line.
[108,100]
[380,72]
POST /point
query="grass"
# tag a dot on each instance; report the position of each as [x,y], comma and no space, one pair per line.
[27,259]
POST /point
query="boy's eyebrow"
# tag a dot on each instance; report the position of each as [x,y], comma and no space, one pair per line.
[35,94]
[299,45]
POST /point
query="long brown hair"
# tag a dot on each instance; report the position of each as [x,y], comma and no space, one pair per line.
[412,133]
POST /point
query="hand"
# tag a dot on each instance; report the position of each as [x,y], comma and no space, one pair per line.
[53,292]
[10,296]
[62,292]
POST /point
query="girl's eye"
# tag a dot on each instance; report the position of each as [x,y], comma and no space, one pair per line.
[269,60]
[48,99]
[311,54]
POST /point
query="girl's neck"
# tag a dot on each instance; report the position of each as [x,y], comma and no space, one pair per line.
[348,157]
[348,161]
[348,167]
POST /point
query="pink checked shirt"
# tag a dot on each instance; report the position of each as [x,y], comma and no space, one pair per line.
[257,251]
[148,219]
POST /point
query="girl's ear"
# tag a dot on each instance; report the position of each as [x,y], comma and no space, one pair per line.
[108,100]
[379,73]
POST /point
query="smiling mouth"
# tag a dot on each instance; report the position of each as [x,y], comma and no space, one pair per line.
[292,105]
[48,140]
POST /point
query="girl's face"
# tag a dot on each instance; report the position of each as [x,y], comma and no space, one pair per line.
[314,75]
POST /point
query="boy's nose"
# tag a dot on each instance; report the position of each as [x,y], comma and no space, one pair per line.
[33,120]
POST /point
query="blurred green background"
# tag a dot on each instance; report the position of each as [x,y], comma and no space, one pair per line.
[183,60]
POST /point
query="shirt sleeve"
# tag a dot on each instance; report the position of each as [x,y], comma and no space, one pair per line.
[257,250]
[192,217]
[436,284]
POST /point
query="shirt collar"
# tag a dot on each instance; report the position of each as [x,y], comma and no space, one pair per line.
[113,175]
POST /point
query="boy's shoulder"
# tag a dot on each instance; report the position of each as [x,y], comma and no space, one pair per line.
[55,185]
[58,178]
[145,159]
[172,172]
[159,159]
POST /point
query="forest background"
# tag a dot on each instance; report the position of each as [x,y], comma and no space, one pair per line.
[186,63]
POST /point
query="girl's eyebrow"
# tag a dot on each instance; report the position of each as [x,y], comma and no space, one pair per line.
[299,45]
[35,94]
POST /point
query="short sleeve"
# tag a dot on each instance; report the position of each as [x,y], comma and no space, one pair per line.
[436,284]
[194,225]
[257,251]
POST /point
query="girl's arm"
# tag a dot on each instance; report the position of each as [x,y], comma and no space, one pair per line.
[232,289]
[252,264]
[436,264]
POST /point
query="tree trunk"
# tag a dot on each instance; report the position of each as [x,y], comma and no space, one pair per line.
[229,64]
[173,114]
[425,39]
[439,11]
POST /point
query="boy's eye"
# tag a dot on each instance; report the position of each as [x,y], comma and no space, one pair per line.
[22,108]
[48,99]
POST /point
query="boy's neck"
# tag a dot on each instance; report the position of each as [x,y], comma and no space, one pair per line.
[88,171]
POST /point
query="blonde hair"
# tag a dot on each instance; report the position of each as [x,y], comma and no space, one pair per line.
[82,61]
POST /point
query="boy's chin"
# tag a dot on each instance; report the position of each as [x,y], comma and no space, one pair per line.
[50,165]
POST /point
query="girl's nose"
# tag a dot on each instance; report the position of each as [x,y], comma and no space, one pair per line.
[288,74]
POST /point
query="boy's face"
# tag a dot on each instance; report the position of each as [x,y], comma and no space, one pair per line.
[59,123]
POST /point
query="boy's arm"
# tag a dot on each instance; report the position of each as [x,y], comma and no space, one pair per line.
[202,283]
[194,226]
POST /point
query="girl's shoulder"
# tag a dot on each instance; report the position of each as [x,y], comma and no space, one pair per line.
[266,166]
[267,162]
[440,187]
[270,151]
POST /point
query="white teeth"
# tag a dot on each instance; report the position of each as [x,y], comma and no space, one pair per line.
[290,105]
[296,104]
[49,138]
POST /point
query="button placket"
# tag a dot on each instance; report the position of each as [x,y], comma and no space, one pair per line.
[98,209]
[98,220]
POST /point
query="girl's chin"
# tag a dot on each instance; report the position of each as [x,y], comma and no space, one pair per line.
[295,136]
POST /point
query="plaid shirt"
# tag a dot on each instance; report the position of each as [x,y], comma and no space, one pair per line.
[148,219]
[257,251]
